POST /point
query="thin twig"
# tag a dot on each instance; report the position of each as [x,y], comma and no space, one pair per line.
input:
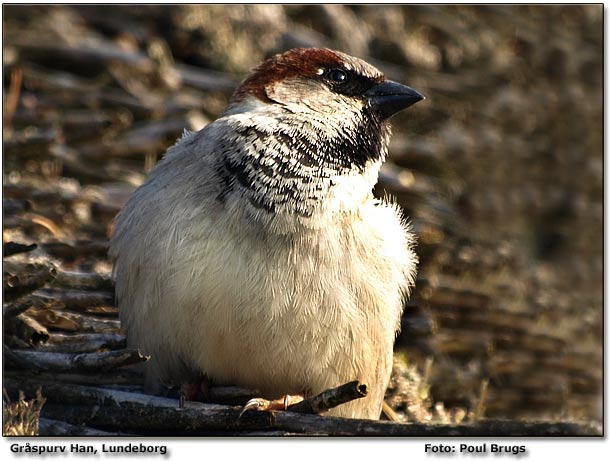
[12,99]
[56,361]
[331,398]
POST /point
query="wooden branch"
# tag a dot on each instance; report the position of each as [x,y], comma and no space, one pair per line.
[27,329]
[51,427]
[73,165]
[169,422]
[54,319]
[331,398]
[15,342]
[11,206]
[56,361]
[46,303]
[217,421]
[152,137]
[206,79]
[84,280]
[12,99]
[22,304]
[19,280]
[110,312]
[95,52]
[151,415]
[124,377]
[59,319]
[30,144]
[78,299]
[83,342]
[75,249]
[13,248]
[39,192]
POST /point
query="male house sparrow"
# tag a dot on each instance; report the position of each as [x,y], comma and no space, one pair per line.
[255,253]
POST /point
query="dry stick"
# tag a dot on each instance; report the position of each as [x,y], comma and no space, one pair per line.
[33,144]
[322,402]
[149,414]
[74,394]
[331,398]
[83,342]
[94,52]
[481,402]
[214,421]
[346,427]
[76,249]
[27,329]
[13,96]
[102,312]
[52,318]
[150,137]
[112,170]
[19,280]
[205,79]
[56,361]
[92,324]
[145,414]
[76,303]
[47,223]
[119,377]
[12,206]
[51,427]
[13,248]
[21,305]
[77,299]
[170,421]
[48,80]
[15,342]
[84,280]
[390,413]
[70,321]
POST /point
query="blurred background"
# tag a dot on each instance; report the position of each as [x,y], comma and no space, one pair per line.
[500,170]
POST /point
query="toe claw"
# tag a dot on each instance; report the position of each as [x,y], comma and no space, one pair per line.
[280,404]
[255,404]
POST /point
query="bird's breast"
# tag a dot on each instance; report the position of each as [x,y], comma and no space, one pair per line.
[286,312]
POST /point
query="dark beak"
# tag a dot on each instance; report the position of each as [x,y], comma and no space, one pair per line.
[390,97]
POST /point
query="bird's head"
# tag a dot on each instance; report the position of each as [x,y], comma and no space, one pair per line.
[307,130]
[327,82]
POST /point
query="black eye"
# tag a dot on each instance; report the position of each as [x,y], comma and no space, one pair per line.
[337,75]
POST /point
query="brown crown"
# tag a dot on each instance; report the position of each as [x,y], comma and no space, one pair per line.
[302,62]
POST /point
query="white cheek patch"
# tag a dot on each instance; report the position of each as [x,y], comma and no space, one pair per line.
[309,96]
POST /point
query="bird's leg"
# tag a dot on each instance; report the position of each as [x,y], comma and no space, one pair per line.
[204,387]
[198,390]
[281,404]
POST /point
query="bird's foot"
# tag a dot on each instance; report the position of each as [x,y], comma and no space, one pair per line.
[281,404]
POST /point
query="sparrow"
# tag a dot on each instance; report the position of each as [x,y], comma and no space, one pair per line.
[255,253]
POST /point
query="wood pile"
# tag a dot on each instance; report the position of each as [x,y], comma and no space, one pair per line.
[499,170]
